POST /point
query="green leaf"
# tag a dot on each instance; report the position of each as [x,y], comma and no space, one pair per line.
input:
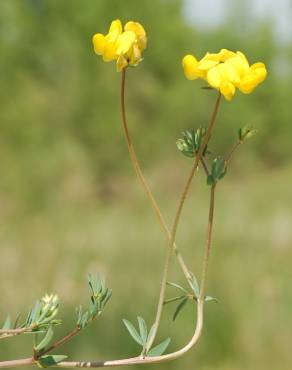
[51,360]
[191,141]
[159,349]
[174,299]
[179,308]
[46,340]
[151,333]
[133,332]
[210,299]
[7,323]
[177,286]
[218,170]
[143,329]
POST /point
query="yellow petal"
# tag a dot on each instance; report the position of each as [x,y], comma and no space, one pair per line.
[257,74]
[214,77]
[239,63]
[211,56]
[98,43]
[190,67]
[140,33]
[260,70]
[225,54]
[135,27]
[125,42]
[227,89]
[116,27]
[109,52]
[229,72]
[205,64]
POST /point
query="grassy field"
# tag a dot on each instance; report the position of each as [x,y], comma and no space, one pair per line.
[79,230]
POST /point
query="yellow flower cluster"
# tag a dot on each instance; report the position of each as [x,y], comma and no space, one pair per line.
[225,71]
[125,46]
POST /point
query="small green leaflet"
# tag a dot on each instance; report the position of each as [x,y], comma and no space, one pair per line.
[142,329]
[179,308]
[195,285]
[177,286]
[159,349]
[50,360]
[210,299]
[133,332]
[7,323]
[46,340]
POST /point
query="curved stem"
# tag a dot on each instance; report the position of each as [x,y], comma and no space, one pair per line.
[208,244]
[177,218]
[127,361]
[145,185]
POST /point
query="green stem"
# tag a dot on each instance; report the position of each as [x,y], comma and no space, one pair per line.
[177,219]
[60,342]
[232,151]
[208,244]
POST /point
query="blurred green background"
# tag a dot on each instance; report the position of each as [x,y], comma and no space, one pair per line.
[70,203]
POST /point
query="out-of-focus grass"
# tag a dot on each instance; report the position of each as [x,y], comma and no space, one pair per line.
[52,248]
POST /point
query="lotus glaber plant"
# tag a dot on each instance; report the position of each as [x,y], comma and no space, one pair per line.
[224,73]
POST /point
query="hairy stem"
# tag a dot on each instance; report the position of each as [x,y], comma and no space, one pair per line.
[208,244]
[177,219]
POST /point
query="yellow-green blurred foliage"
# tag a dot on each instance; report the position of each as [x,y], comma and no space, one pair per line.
[70,204]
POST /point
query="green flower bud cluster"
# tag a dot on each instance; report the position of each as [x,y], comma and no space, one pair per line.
[191,141]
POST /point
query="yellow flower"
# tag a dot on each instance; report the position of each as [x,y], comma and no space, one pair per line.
[123,45]
[225,71]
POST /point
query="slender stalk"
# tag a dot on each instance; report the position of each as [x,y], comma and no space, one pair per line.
[208,244]
[60,342]
[232,151]
[145,185]
[177,219]
[205,166]
[123,362]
